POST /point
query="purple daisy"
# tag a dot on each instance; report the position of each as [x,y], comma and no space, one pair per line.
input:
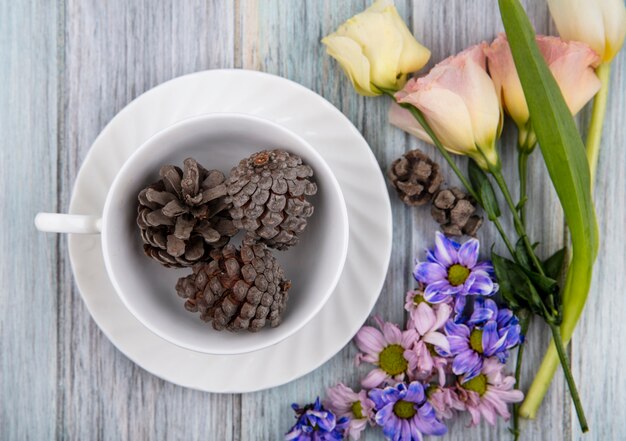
[315,423]
[345,402]
[453,269]
[404,414]
[489,394]
[489,332]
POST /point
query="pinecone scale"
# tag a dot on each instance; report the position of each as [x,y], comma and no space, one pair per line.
[184,215]
[241,289]
[269,193]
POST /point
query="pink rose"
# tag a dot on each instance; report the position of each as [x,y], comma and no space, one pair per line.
[459,102]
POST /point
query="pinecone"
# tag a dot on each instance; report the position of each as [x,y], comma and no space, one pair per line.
[269,193]
[237,289]
[415,177]
[184,215]
[454,211]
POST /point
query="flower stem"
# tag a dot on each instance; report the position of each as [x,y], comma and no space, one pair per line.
[506,240]
[560,348]
[578,279]
[522,164]
[420,118]
[417,114]
[597,119]
[525,318]
[519,226]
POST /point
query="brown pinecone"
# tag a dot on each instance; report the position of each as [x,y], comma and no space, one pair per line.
[415,177]
[237,289]
[184,215]
[269,192]
[454,211]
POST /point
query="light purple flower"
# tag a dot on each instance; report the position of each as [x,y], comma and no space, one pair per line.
[357,407]
[315,423]
[445,401]
[490,332]
[489,394]
[453,269]
[430,344]
[404,414]
[386,349]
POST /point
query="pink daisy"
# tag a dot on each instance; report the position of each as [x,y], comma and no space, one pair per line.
[416,296]
[385,348]
[426,321]
[445,401]
[489,393]
[357,407]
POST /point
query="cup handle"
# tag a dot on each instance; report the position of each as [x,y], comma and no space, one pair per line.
[68,223]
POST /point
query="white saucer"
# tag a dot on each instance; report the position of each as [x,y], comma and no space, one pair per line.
[348,155]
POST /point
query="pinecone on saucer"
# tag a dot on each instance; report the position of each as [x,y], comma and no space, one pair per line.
[184,215]
[269,193]
[415,177]
[454,210]
[238,289]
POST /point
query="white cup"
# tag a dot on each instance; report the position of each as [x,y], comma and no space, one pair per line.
[217,141]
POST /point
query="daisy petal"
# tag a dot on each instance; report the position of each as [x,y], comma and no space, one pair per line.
[437,292]
[370,340]
[392,333]
[445,250]
[468,363]
[468,253]
[443,314]
[479,283]
[374,378]
[415,392]
[424,318]
[429,272]
[438,339]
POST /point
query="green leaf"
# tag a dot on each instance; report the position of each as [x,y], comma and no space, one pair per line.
[522,256]
[516,288]
[564,154]
[483,188]
[554,264]
[507,285]
[562,148]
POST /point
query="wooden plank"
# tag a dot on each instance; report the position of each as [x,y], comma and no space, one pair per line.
[114,51]
[68,71]
[598,354]
[447,28]
[283,38]
[28,273]
[269,43]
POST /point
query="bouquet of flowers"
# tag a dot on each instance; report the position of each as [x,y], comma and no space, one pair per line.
[449,358]
[465,316]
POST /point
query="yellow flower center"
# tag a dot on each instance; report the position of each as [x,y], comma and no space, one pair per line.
[476,340]
[392,360]
[418,298]
[457,274]
[477,384]
[357,410]
[404,409]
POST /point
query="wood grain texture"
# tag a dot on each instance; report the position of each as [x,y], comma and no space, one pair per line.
[69,66]
[29,179]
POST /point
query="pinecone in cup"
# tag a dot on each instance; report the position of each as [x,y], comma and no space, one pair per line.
[238,289]
[184,215]
[269,193]
[415,177]
[454,211]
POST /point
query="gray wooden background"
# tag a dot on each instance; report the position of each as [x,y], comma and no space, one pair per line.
[68,66]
